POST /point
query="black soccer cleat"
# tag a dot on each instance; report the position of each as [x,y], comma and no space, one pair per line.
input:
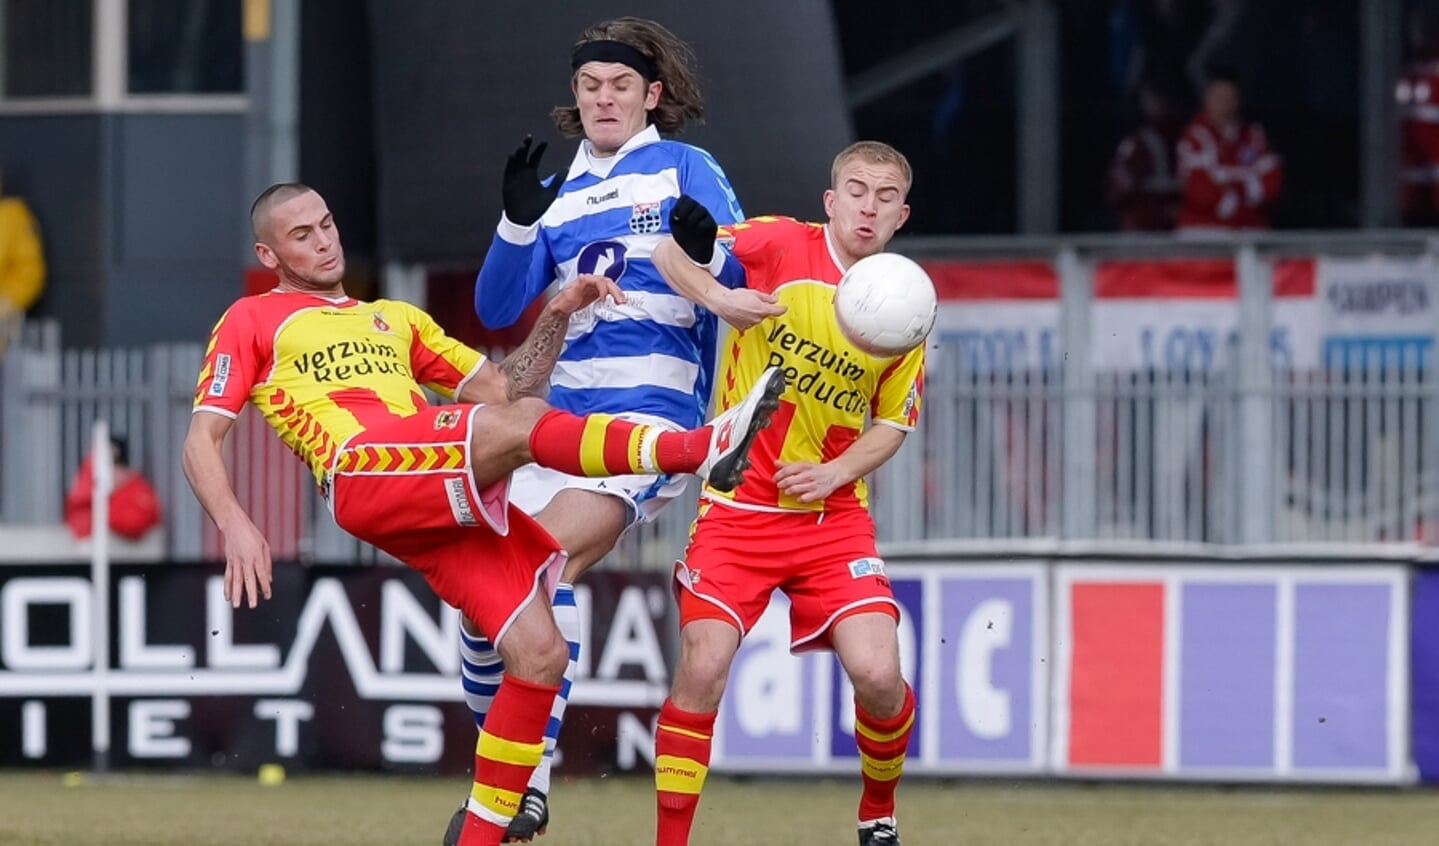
[880,832]
[734,432]
[533,818]
[457,825]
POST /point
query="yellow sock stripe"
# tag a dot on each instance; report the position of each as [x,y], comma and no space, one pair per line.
[592,445]
[685,732]
[877,737]
[679,775]
[509,751]
[497,805]
[882,770]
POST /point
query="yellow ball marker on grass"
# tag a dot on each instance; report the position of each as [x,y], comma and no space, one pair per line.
[272,775]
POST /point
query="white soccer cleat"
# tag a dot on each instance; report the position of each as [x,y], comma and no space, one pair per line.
[734,431]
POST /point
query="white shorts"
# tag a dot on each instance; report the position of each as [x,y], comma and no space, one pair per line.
[532,486]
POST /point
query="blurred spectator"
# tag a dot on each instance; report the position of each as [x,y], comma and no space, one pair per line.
[134,506]
[1143,179]
[1418,98]
[1230,177]
[22,265]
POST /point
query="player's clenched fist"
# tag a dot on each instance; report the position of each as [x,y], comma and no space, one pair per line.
[694,229]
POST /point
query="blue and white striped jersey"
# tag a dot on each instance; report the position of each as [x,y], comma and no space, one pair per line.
[655,353]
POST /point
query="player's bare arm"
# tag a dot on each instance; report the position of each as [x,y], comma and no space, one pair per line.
[739,307]
[247,553]
[526,371]
[813,482]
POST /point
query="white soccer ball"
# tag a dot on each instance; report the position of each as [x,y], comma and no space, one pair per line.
[885,304]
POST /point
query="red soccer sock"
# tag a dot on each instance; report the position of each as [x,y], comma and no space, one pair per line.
[682,757]
[509,749]
[882,747]
[603,445]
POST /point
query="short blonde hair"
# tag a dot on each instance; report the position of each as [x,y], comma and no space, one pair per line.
[873,152]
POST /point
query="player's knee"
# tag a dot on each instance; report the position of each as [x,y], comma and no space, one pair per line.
[540,657]
[525,411]
[706,650]
[878,687]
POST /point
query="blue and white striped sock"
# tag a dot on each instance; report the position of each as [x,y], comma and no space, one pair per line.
[481,672]
[567,617]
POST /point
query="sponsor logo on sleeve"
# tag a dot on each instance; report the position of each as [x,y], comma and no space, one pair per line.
[222,375]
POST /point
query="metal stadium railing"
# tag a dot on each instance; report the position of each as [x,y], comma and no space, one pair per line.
[1241,448]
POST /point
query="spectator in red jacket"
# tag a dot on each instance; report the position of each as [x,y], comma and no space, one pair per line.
[1230,176]
[134,506]
[1143,180]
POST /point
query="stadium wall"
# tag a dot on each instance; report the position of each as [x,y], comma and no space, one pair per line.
[1059,663]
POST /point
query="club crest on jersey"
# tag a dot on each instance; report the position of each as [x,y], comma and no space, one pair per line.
[645,218]
[447,420]
[380,325]
[602,258]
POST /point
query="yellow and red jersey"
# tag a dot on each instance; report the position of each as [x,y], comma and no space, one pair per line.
[322,370]
[834,387]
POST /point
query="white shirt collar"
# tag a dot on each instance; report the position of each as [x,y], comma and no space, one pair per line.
[585,162]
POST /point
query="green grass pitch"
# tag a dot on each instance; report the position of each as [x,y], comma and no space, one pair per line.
[44,809]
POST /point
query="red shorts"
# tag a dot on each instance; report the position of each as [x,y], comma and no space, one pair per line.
[406,487]
[826,564]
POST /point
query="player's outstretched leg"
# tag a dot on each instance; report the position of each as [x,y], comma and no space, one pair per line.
[602,445]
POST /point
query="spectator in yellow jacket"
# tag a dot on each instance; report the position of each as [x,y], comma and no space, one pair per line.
[22,265]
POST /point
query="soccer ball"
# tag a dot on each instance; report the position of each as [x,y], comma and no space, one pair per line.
[885,304]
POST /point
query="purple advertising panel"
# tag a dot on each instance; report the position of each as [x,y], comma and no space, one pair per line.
[1226,694]
[1250,673]
[1424,643]
[973,645]
[992,670]
[1342,669]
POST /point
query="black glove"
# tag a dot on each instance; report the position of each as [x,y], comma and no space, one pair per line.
[525,198]
[694,229]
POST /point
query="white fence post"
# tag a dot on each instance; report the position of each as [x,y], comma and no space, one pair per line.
[103,470]
[1076,301]
[1254,463]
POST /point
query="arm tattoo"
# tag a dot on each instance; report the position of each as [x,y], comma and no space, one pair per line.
[527,369]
